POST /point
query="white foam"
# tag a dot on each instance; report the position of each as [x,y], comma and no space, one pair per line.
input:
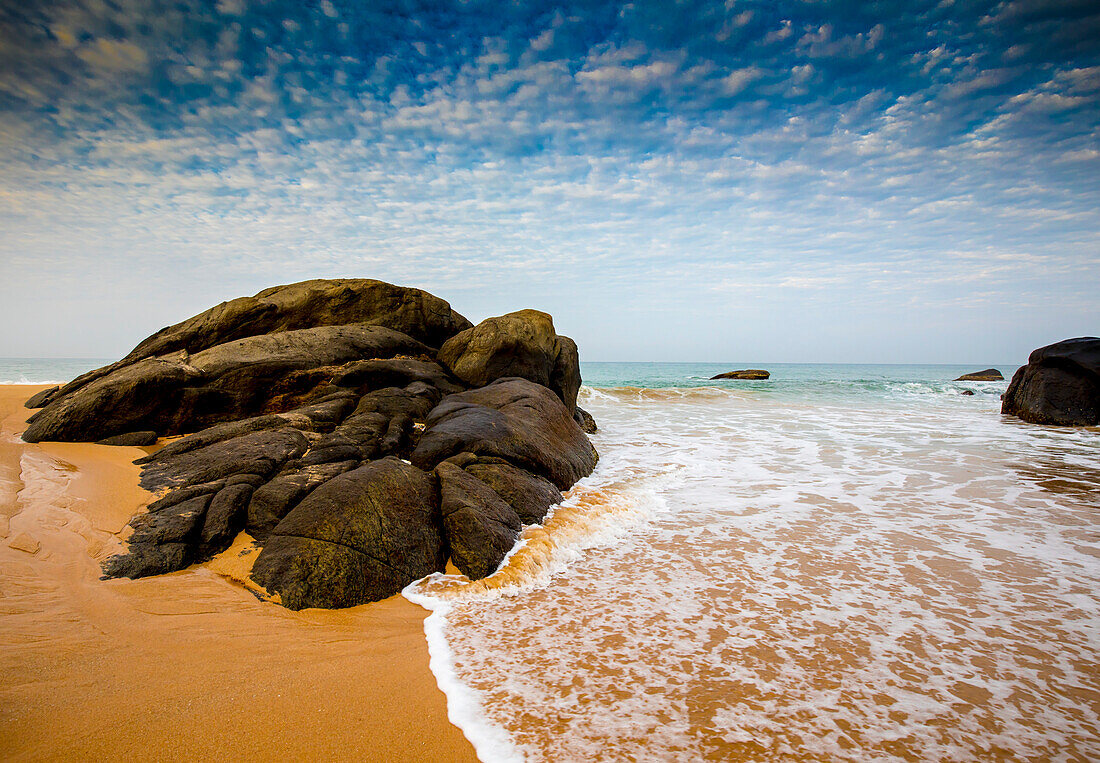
[829,580]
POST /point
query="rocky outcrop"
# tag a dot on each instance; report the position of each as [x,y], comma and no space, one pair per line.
[1059,385]
[180,392]
[357,461]
[748,374]
[518,421]
[990,374]
[40,399]
[522,344]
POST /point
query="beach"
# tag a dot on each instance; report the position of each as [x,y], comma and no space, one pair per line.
[188,665]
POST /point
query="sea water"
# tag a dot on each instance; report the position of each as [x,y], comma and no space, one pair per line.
[838,563]
[47,370]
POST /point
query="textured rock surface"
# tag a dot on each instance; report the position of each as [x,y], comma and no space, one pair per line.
[481,527]
[1059,385]
[179,393]
[316,419]
[360,537]
[748,374]
[522,344]
[512,419]
[990,374]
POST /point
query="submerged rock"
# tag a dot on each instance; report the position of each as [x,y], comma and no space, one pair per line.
[316,418]
[748,373]
[1059,385]
[990,374]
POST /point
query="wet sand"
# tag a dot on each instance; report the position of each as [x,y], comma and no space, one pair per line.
[189,665]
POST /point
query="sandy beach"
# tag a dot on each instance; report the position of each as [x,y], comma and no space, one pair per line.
[189,665]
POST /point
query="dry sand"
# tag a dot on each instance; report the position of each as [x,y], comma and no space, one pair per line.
[184,666]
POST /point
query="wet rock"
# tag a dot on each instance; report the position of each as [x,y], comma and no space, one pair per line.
[138,439]
[529,495]
[990,374]
[224,518]
[967,392]
[513,419]
[584,420]
[1059,385]
[39,399]
[480,527]
[522,344]
[751,374]
[362,536]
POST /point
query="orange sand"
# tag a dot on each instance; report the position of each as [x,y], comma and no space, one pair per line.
[189,665]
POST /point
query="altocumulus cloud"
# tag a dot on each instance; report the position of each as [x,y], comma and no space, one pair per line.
[753,180]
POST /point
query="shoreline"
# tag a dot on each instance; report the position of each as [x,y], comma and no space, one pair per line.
[188,664]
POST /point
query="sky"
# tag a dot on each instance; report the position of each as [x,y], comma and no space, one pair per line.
[828,181]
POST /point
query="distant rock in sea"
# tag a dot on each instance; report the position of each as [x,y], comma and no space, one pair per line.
[990,374]
[1059,385]
[748,374]
[364,433]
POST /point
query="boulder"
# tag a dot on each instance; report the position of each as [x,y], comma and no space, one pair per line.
[529,495]
[175,394]
[137,439]
[513,419]
[1059,385]
[39,399]
[480,527]
[585,420]
[522,344]
[361,536]
[990,374]
[752,374]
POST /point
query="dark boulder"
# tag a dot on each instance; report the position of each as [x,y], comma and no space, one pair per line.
[529,495]
[182,393]
[990,374]
[39,399]
[751,374]
[480,527]
[1059,385]
[512,419]
[967,392]
[522,344]
[362,536]
[584,420]
[138,439]
[274,500]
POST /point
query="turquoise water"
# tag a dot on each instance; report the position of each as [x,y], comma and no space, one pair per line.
[792,380]
[46,370]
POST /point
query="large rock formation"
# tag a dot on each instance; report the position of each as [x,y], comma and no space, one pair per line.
[1059,385]
[317,420]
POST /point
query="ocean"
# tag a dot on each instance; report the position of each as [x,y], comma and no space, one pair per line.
[840,563]
[843,562]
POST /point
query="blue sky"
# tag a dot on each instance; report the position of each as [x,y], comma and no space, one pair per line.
[727,181]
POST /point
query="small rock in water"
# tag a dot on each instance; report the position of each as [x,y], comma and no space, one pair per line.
[748,373]
[967,392]
[989,374]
